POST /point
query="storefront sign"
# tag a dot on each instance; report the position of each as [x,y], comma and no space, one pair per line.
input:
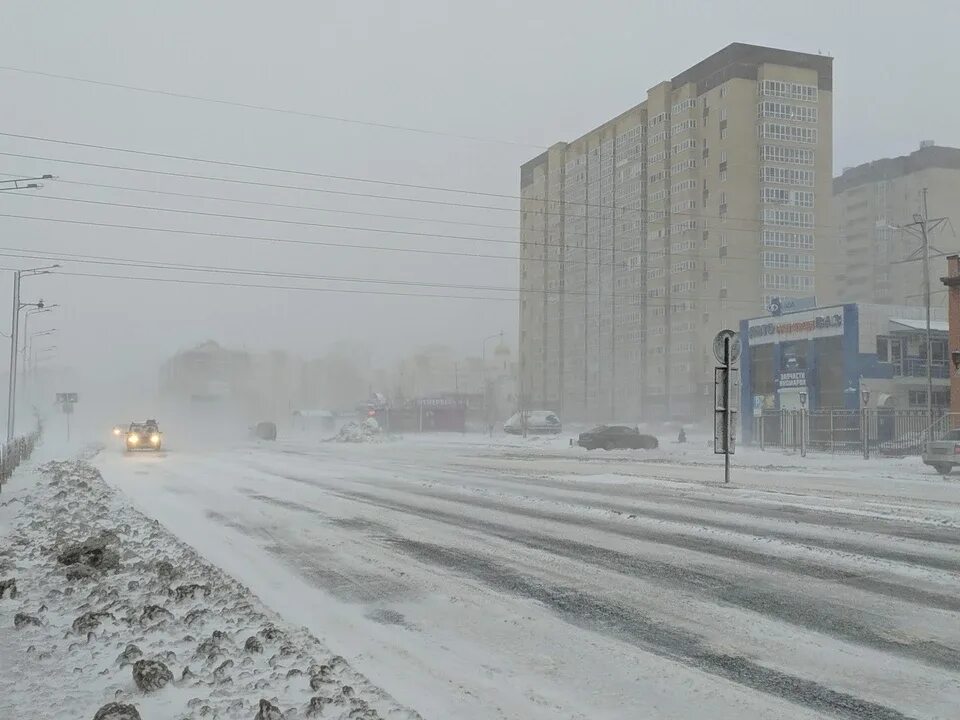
[823,322]
[792,379]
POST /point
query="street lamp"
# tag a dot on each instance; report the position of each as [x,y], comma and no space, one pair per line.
[803,399]
[23,183]
[27,347]
[15,337]
[865,396]
[26,335]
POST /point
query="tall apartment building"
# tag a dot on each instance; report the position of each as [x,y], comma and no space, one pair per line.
[871,202]
[644,237]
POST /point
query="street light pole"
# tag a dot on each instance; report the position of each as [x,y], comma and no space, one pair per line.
[15,338]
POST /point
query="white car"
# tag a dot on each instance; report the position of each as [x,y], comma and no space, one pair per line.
[538,422]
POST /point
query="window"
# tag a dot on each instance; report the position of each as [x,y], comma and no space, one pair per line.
[684,265]
[683,206]
[785,111]
[683,126]
[656,120]
[723,133]
[683,186]
[791,91]
[684,145]
[723,176]
[787,217]
[684,226]
[783,196]
[723,91]
[786,176]
[778,281]
[784,260]
[788,155]
[788,133]
[657,157]
[683,166]
[781,238]
[657,137]
[658,195]
[723,156]
[683,105]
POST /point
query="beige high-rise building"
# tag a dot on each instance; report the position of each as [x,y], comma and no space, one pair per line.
[647,235]
[876,261]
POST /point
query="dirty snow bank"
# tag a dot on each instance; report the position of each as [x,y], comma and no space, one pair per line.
[105,614]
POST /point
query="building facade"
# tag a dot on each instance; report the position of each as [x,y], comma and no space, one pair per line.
[644,237]
[871,202]
[824,358]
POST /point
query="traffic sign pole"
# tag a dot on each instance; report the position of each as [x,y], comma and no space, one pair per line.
[726,412]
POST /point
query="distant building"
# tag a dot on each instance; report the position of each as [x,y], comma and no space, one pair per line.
[645,236]
[870,202]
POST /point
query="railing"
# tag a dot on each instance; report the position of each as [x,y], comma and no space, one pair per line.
[877,431]
[16,451]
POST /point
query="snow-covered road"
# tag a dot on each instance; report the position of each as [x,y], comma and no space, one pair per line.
[478,579]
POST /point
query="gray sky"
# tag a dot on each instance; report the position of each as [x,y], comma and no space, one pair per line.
[533,72]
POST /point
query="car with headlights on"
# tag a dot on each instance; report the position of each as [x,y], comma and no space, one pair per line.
[143,436]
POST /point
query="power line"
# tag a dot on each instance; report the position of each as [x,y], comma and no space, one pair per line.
[385,231]
[169,266]
[390,183]
[289,206]
[354,246]
[271,109]
[261,168]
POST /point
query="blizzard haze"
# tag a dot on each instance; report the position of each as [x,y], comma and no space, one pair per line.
[518,77]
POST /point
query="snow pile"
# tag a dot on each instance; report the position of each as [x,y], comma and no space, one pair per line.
[354,432]
[105,615]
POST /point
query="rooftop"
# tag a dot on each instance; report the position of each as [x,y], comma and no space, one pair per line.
[928,156]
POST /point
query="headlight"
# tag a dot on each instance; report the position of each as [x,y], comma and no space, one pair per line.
[133,439]
[116,431]
[154,438]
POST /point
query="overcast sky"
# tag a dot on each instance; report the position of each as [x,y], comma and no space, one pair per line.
[525,74]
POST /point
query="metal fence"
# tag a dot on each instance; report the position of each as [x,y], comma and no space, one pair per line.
[15,452]
[876,431]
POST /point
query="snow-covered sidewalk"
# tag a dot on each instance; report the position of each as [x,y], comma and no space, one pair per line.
[106,615]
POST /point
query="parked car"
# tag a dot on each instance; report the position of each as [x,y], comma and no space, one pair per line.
[944,453]
[912,443]
[538,422]
[265,430]
[619,437]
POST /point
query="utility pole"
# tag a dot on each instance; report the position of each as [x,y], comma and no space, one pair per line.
[921,227]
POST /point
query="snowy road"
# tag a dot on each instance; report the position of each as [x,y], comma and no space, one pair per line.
[478,580]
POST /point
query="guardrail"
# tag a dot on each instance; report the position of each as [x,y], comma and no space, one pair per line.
[16,451]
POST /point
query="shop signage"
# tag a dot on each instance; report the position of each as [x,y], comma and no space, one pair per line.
[792,379]
[823,322]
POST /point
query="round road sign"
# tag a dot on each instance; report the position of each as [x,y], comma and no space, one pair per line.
[718,343]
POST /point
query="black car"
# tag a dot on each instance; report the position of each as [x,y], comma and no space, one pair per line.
[616,437]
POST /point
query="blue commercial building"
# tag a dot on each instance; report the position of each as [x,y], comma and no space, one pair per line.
[827,356]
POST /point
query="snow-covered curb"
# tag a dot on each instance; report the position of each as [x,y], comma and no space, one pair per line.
[83,615]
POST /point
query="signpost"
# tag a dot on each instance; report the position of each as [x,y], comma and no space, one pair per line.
[66,401]
[726,391]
